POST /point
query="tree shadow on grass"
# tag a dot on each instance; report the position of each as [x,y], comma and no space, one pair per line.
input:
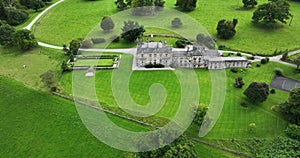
[244,8]
[268,26]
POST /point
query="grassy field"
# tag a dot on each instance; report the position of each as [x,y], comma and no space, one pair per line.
[92,62]
[234,119]
[35,124]
[293,57]
[33,14]
[37,62]
[61,25]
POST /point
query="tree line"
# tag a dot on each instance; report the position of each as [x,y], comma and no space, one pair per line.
[15,12]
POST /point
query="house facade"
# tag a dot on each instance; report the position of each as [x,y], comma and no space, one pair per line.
[193,57]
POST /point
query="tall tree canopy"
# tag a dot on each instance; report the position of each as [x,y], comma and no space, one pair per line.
[6,34]
[297,62]
[107,23]
[24,40]
[226,28]
[291,108]
[250,3]
[274,10]
[257,92]
[131,31]
[186,5]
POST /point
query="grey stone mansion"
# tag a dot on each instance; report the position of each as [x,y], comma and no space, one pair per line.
[192,57]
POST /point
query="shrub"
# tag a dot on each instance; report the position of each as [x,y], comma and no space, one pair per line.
[234,70]
[257,65]
[107,23]
[263,61]
[87,43]
[250,58]
[154,66]
[181,43]
[98,40]
[176,23]
[243,104]
[293,131]
[278,72]
[272,91]
[239,54]
[222,47]
[285,56]
[239,83]
[53,89]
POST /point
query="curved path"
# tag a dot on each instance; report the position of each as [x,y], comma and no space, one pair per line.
[132,50]
[30,25]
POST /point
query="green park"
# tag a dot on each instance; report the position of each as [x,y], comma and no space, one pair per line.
[48,46]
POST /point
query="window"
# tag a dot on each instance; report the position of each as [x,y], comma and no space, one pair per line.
[154,55]
[142,55]
[150,55]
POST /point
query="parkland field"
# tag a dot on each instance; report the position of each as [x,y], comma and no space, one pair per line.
[76,18]
[36,123]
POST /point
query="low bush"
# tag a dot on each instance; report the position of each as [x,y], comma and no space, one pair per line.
[293,131]
[222,47]
[181,43]
[257,65]
[264,61]
[272,91]
[98,40]
[234,70]
[87,43]
[243,104]
[278,72]
[154,66]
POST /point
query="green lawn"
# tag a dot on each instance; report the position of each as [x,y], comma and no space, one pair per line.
[35,124]
[61,25]
[33,14]
[37,62]
[92,62]
[293,57]
[234,119]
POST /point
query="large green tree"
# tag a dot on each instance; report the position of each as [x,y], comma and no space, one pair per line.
[37,4]
[15,16]
[107,23]
[6,34]
[186,5]
[74,47]
[24,40]
[291,108]
[131,31]
[257,92]
[274,10]
[226,28]
[250,3]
